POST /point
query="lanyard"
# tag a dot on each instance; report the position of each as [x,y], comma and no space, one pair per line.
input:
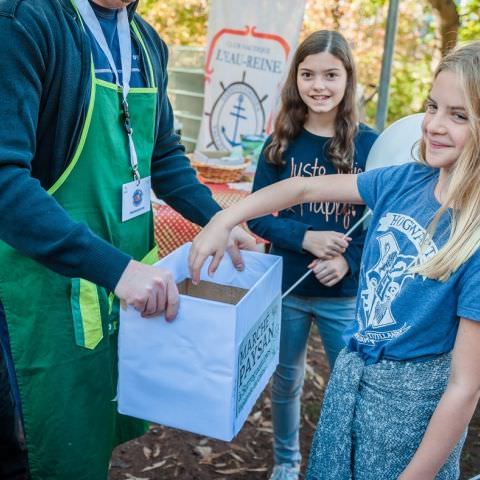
[125,42]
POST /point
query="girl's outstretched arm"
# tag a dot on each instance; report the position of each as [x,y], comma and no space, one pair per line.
[212,240]
[455,409]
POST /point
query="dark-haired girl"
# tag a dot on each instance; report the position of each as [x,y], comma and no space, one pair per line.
[316,133]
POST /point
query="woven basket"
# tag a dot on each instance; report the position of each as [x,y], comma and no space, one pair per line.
[220,173]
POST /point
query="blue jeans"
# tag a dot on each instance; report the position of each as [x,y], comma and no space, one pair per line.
[332,316]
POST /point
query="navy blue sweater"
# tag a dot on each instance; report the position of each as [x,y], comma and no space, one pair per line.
[44,94]
[305,156]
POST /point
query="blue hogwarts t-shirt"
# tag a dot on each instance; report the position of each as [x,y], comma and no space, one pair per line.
[401,315]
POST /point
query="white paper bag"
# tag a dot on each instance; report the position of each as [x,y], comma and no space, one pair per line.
[204,371]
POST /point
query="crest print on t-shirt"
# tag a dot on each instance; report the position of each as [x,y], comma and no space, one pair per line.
[399,246]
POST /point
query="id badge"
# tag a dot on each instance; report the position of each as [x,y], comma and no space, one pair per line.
[135,198]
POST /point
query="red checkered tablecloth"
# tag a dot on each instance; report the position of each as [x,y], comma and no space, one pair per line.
[172,230]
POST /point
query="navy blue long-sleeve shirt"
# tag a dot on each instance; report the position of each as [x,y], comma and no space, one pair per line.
[305,156]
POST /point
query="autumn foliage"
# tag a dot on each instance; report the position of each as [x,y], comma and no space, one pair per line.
[418,46]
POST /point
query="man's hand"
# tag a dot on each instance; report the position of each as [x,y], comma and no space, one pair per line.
[150,290]
[330,272]
[239,239]
[325,245]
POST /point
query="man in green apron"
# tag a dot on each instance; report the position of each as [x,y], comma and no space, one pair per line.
[86,130]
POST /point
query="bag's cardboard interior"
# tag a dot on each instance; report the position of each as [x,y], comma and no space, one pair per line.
[212,291]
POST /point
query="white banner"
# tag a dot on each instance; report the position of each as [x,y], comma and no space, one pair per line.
[250,44]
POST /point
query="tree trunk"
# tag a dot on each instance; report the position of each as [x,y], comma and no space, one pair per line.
[449,23]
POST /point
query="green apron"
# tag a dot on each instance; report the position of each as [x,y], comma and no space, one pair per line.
[63,331]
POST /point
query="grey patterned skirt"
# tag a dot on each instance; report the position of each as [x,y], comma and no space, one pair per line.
[374,417]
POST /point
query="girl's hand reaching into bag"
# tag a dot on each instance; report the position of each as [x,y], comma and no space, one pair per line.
[212,240]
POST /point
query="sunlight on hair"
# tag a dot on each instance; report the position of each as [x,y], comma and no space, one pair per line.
[463,193]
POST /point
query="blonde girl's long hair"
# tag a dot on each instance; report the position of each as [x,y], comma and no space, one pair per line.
[463,193]
[293,112]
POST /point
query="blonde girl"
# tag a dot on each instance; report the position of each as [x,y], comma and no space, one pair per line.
[404,390]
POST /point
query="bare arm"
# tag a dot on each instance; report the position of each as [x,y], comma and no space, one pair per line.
[213,238]
[455,409]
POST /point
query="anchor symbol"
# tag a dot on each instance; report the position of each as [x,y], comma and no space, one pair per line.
[240,101]
[237,113]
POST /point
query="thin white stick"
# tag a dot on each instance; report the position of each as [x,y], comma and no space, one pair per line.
[309,271]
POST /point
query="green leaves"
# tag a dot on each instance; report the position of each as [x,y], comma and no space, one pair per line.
[470,19]
[178,22]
